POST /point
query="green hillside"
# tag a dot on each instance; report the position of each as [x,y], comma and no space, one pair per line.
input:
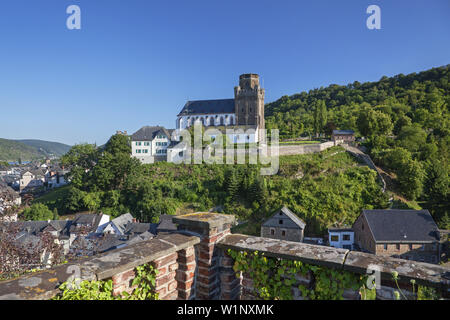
[47,147]
[11,150]
[421,98]
[26,150]
[405,120]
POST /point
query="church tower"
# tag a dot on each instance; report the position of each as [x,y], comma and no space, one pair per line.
[249,101]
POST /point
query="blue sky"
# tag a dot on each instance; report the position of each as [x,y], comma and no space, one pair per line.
[136,62]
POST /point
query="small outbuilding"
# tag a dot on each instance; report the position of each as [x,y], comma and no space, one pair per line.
[345,135]
[284,225]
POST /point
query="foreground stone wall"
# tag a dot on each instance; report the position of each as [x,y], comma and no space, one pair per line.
[193,264]
[340,259]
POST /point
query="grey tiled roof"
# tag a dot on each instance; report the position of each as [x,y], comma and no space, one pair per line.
[141,237]
[137,228]
[166,224]
[343,132]
[122,221]
[110,242]
[32,227]
[148,133]
[289,219]
[28,241]
[90,220]
[394,225]
[208,106]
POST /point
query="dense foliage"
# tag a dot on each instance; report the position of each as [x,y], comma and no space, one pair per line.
[405,120]
[39,212]
[324,189]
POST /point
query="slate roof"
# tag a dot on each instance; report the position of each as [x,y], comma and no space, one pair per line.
[166,224]
[343,132]
[290,220]
[148,133]
[60,225]
[90,220]
[141,237]
[337,229]
[28,241]
[395,225]
[208,107]
[110,242]
[32,227]
[122,221]
[138,228]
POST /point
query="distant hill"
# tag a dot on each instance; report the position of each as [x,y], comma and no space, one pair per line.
[47,147]
[13,150]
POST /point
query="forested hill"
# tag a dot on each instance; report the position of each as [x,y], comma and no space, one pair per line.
[25,150]
[423,97]
[47,147]
[406,123]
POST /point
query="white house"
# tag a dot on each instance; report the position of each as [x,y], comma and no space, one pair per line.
[341,237]
[149,144]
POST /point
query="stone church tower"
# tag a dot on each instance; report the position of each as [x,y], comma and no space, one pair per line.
[249,101]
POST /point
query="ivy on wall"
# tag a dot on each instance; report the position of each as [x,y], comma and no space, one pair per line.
[103,290]
[273,279]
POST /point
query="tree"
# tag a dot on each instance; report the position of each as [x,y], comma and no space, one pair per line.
[410,177]
[372,122]
[400,123]
[55,214]
[320,117]
[412,138]
[37,212]
[329,127]
[74,200]
[92,201]
[114,164]
[81,159]
[437,182]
